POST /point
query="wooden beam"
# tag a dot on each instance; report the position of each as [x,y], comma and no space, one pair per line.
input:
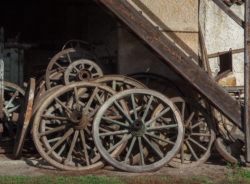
[217,54]
[247,81]
[229,12]
[176,58]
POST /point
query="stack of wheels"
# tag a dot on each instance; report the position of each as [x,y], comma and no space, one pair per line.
[199,130]
[11,99]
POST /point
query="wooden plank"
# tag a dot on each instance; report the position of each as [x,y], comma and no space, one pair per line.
[247,82]
[176,58]
[229,12]
[235,51]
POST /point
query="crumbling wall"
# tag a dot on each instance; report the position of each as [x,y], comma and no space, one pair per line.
[222,33]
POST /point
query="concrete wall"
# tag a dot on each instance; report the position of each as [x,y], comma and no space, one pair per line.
[178,19]
[222,33]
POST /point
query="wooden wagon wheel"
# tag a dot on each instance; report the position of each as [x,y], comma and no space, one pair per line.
[135,131]
[12,99]
[24,119]
[60,62]
[82,70]
[119,82]
[198,137]
[62,128]
[77,44]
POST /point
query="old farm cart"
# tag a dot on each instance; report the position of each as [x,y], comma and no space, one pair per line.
[179,61]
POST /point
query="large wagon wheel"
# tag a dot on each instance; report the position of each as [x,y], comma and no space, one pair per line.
[135,132]
[60,62]
[62,128]
[199,134]
[12,99]
[24,119]
[82,70]
[119,82]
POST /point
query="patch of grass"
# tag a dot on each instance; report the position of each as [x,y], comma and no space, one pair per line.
[59,180]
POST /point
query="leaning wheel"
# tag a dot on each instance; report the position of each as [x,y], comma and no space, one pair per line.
[59,64]
[199,135]
[62,128]
[24,119]
[12,99]
[138,132]
[82,70]
[120,82]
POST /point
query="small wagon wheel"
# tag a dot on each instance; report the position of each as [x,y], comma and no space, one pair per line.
[60,62]
[82,70]
[24,119]
[120,82]
[135,131]
[12,99]
[199,134]
[62,127]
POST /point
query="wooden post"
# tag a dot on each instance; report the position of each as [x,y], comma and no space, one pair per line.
[247,81]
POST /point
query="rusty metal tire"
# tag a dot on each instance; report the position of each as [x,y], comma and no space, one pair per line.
[129,129]
[62,126]
[199,135]
[24,119]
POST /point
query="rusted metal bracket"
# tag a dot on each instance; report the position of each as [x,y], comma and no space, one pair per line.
[230,13]
[176,58]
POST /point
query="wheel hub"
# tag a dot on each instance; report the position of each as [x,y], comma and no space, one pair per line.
[79,120]
[138,128]
[84,75]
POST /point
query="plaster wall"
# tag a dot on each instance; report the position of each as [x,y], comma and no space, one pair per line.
[178,19]
[222,33]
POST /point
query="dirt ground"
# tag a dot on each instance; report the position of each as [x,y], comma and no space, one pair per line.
[38,167]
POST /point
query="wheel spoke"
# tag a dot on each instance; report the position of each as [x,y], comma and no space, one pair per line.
[158,116]
[201,134]
[54,117]
[134,105]
[123,140]
[61,103]
[159,153]
[147,108]
[84,146]
[68,56]
[114,133]
[182,153]
[72,147]
[91,99]
[192,151]
[116,122]
[63,69]
[198,144]
[161,127]
[11,100]
[141,151]
[130,149]
[76,98]
[159,138]
[189,119]
[57,129]
[123,112]
[66,135]
[197,124]
[114,85]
